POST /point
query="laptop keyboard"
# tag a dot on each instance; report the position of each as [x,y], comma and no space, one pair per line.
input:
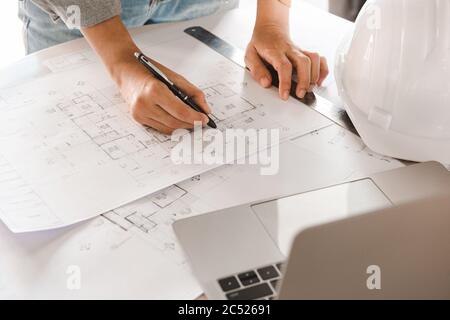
[255,284]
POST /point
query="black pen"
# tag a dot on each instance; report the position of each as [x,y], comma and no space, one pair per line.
[175,90]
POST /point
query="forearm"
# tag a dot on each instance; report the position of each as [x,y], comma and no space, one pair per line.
[113,43]
[273,12]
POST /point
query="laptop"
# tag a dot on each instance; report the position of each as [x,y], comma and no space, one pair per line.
[383,237]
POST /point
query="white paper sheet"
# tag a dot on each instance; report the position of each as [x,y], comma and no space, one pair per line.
[71,150]
[90,260]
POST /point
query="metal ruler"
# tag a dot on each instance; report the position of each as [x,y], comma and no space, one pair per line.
[236,55]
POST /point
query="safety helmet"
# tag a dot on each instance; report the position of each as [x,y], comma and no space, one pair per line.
[393,75]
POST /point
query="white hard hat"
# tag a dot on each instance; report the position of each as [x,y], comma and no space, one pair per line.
[393,74]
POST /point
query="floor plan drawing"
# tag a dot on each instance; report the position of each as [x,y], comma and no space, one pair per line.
[152,216]
[225,102]
[73,141]
[17,198]
[70,61]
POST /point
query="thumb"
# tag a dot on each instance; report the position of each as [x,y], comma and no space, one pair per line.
[257,68]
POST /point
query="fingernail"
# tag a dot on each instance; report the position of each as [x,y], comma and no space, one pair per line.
[311,88]
[302,93]
[265,82]
[285,95]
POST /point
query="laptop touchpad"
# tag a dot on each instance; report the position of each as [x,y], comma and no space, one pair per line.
[286,217]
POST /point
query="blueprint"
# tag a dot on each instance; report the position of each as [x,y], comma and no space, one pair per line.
[71,151]
[321,158]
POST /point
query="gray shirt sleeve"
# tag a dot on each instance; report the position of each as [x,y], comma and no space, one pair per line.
[80,13]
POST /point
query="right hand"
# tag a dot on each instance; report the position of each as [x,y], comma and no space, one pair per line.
[152,104]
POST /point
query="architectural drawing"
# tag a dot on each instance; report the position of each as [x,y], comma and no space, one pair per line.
[16,197]
[152,216]
[71,137]
[70,61]
[342,144]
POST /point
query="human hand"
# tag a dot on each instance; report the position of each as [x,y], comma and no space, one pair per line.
[151,102]
[271,43]
[154,105]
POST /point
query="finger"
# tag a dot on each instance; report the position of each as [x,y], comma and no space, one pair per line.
[257,68]
[324,71]
[188,88]
[283,67]
[177,108]
[162,116]
[303,66]
[193,92]
[315,68]
[158,126]
[140,118]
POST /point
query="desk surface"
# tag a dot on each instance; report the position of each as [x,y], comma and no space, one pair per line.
[328,156]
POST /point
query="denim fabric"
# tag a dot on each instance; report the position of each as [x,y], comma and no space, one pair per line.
[40,31]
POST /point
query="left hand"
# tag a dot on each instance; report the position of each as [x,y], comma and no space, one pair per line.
[272,44]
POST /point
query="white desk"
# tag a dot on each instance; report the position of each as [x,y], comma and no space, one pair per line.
[329,156]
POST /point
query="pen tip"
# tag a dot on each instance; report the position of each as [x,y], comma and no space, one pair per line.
[212,125]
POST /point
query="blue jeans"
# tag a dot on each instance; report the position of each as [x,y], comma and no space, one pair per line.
[41,32]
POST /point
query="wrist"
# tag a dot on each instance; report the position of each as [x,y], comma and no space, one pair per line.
[272,13]
[130,76]
[123,63]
